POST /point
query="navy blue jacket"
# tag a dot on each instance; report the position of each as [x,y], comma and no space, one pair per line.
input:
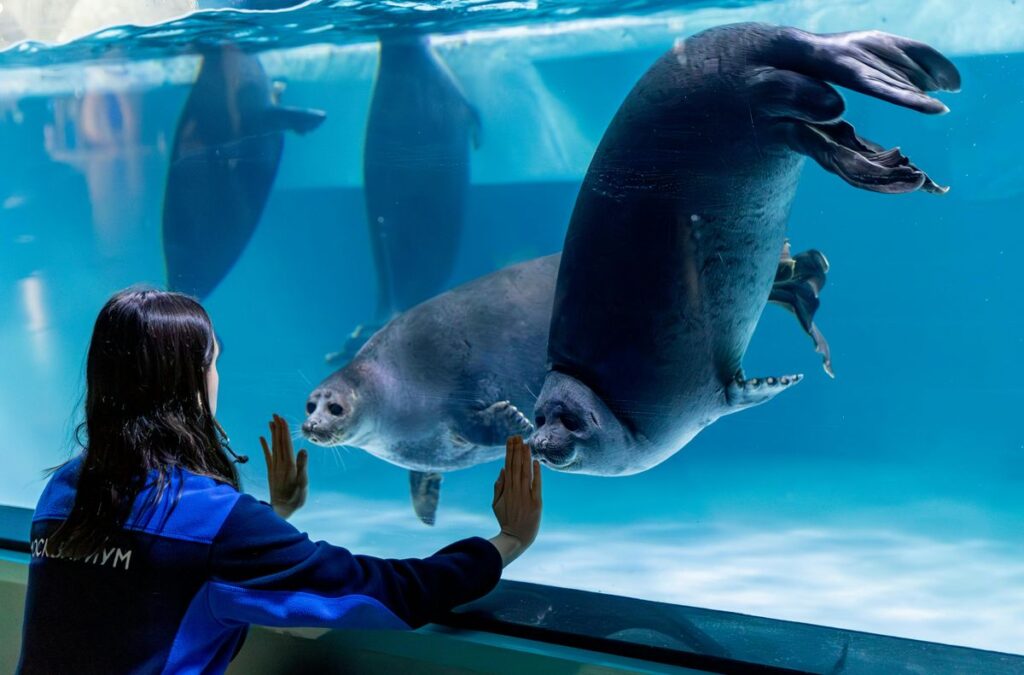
[177,589]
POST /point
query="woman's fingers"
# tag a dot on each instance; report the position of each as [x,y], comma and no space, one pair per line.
[301,467]
[510,445]
[535,488]
[266,453]
[524,466]
[499,485]
[275,445]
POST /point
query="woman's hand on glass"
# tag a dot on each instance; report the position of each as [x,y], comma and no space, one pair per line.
[287,474]
[517,501]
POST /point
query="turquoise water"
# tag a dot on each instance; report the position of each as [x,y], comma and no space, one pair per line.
[887,500]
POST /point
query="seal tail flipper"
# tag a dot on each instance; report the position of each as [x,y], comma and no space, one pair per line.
[425,489]
[798,283]
[299,120]
[742,393]
[886,66]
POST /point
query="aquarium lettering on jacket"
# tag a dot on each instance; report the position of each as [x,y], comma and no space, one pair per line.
[113,556]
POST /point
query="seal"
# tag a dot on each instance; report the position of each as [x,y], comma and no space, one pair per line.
[442,385]
[416,163]
[673,245]
[227,148]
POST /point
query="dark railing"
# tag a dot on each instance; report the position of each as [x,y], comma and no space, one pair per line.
[702,639]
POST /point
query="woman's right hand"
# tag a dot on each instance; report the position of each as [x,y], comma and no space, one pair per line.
[517,501]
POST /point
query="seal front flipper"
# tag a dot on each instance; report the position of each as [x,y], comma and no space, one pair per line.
[742,393]
[492,424]
[299,120]
[798,283]
[425,489]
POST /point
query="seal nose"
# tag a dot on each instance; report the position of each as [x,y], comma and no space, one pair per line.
[309,427]
[548,451]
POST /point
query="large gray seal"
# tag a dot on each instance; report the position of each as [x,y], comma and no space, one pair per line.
[443,385]
[673,244]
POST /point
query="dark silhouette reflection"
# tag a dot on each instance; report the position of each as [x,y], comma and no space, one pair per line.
[416,175]
[226,153]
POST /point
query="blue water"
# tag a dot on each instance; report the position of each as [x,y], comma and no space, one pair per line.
[887,500]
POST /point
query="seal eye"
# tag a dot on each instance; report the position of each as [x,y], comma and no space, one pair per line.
[540,420]
[335,409]
[571,423]
[310,407]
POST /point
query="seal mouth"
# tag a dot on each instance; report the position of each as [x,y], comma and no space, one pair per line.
[570,462]
[323,438]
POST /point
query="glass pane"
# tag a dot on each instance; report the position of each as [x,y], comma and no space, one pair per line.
[309,185]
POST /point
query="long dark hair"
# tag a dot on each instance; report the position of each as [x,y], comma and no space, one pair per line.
[147,413]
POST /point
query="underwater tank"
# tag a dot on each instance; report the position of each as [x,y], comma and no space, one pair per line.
[315,173]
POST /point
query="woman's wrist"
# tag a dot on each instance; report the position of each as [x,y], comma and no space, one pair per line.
[509,546]
[283,510]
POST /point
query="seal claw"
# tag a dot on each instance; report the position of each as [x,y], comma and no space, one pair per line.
[742,393]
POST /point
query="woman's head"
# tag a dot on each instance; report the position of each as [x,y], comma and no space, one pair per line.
[152,353]
[151,392]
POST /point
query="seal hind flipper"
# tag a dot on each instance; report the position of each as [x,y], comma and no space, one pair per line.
[299,120]
[359,336]
[798,283]
[742,393]
[426,492]
[808,113]
[493,424]
[893,68]
[838,149]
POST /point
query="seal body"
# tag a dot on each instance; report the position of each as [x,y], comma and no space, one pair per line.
[441,386]
[416,172]
[673,246]
[226,152]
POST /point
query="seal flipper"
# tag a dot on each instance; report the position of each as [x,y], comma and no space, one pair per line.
[808,113]
[425,489]
[299,120]
[359,336]
[838,149]
[892,68]
[798,282]
[493,424]
[741,393]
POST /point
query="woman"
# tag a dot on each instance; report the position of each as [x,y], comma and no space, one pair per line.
[147,558]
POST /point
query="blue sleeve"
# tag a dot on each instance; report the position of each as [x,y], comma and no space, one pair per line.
[264,571]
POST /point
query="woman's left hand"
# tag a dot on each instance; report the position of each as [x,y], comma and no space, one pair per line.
[287,476]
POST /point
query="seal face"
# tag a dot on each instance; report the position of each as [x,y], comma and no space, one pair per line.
[672,251]
[227,148]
